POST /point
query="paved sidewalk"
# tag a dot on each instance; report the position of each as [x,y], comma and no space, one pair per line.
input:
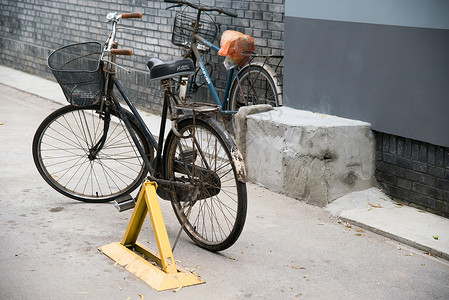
[373,210]
[288,249]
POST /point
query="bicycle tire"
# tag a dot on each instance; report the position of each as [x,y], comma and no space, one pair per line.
[257,85]
[213,211]
[61,154]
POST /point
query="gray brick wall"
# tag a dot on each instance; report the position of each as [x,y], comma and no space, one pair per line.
[30,29]
[411,171]
[414,171]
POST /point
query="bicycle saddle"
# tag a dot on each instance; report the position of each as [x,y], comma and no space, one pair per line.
[166,69]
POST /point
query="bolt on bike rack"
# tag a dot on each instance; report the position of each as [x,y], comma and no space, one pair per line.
[138,259]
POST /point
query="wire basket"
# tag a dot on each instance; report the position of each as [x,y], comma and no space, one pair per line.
[78,72]
[183,29]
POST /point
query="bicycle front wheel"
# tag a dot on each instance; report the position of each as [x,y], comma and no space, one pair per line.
[255,86]
[63,154]
[212,210]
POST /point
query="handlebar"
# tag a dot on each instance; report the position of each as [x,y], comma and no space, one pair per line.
[128,52]
[132,15]
[110,43]
[201,8]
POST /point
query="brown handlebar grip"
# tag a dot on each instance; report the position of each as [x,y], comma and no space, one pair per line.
[132,16]
[128,52]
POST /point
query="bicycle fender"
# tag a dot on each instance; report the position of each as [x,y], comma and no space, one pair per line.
[239,164]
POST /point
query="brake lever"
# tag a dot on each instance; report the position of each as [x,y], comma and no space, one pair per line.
[117,65]
[129,28]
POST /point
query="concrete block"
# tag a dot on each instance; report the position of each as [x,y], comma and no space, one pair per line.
[312,157]
[241,124]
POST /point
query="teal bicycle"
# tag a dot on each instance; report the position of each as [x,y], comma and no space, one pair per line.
[254,82]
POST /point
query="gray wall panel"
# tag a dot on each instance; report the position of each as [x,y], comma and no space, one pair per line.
[396,78]
[414,13]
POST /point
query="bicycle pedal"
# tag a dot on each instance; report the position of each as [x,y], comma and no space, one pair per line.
[124,202]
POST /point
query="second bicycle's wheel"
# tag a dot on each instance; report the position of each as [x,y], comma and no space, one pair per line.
[255,86]
[213,209]
[62,152]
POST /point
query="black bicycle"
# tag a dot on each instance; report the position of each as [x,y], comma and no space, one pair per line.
[94,150]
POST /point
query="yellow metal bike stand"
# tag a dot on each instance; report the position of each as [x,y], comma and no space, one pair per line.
[137,259]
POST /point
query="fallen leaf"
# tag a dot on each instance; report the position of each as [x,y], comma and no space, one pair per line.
[376,206]
[178,289]
[298,268]
[141,297]
[194,269]
[435,237]
[232,258]
[357,234]
[359,229]
[305,276]
[1,123]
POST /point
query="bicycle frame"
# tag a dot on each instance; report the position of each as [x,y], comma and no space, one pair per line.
[112,81]
[156,171]
[222,103]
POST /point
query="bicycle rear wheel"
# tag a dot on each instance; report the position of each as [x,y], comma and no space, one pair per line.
[256,86]
[62,152]
[213,210]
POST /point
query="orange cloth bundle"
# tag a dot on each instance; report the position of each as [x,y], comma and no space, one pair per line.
[233,43]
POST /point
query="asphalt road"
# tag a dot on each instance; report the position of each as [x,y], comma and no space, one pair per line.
[288,250]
